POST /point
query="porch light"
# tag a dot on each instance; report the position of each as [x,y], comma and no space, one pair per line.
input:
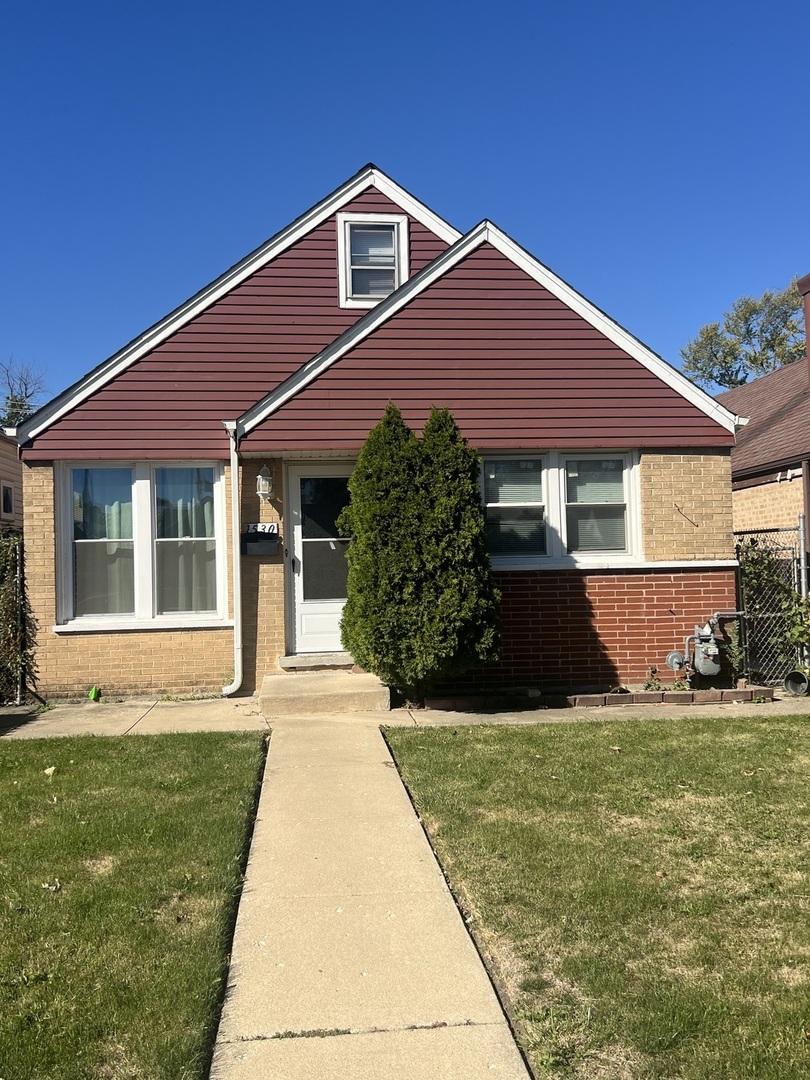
[264,484]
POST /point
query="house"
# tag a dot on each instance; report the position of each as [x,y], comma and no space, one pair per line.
[770,463]
[181,498]
[11,503]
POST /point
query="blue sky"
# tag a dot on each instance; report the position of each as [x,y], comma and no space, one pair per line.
[653,154]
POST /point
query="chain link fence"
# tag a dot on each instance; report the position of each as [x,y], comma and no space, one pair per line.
[772,575]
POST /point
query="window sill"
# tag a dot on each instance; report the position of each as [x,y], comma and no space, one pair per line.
[95,626]
[603,562]
[364,302]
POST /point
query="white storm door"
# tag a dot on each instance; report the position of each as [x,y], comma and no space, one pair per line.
[317,494]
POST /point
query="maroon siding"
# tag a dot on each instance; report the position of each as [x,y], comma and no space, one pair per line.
[516,366]
[172,402]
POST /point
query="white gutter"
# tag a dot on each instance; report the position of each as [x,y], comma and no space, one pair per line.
[236,547]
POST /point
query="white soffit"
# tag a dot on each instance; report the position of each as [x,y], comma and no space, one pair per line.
[370,176]
[486,232]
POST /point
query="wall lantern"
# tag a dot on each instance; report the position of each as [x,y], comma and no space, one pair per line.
[264,484]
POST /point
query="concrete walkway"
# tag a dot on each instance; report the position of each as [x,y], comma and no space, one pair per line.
[350,959]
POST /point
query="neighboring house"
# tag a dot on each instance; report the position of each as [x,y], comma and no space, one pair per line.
[605,473]
[770,465]
[11,502]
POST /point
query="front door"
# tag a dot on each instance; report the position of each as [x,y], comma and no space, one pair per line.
[317,494]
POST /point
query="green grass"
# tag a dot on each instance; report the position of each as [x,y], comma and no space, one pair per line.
[119,878]
[640,888]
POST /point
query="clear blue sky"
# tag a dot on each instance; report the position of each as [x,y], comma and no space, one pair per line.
[655,155]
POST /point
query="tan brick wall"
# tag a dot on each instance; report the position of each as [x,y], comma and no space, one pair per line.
[119,662]
[686,505]
[686,514]
[263,599]
[769,506]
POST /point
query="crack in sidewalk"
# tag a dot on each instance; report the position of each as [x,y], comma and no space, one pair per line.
[327,1033]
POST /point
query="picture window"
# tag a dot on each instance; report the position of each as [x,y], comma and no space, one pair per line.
[145,542]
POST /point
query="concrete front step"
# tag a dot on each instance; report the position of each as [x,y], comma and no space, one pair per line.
[310,693]
[316,661]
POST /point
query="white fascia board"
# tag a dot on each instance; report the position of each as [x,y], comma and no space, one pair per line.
[423,214]
[271,249]
[361,330]
[613,331]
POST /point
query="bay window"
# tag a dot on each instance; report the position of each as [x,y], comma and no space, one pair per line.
[145,543]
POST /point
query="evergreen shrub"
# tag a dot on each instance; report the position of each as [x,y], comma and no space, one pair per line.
[16,622]
[421,603]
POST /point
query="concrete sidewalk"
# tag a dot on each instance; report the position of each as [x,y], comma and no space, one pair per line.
[134,716]
[350,958]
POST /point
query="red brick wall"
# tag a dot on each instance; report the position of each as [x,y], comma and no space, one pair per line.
[574,629]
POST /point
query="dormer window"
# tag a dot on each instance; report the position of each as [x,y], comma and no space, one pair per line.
[372,257]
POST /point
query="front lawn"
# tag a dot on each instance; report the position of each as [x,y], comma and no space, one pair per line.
[120,867]
[640,888]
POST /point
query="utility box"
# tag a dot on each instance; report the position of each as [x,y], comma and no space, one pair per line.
[707,652]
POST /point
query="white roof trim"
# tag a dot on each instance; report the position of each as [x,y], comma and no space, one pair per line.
[370,176]
[483,233]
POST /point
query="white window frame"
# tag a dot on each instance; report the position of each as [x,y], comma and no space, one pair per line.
[554,491]
[344,223]
[143,539]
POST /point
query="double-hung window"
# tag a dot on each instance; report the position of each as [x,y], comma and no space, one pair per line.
[102,563]
[571,508]
[514,507]
[372,257]
[145,543]
[595,505]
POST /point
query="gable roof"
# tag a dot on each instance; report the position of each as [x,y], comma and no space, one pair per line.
[778,433]
[369,176]
[483,233]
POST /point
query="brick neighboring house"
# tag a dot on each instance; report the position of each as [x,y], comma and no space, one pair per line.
[11,502]
[770,465]
[605,473]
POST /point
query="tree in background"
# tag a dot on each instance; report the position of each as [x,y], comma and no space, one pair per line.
[20,385]
[421,604]
[755,337]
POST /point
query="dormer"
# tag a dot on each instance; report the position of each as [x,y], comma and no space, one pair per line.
[372,257]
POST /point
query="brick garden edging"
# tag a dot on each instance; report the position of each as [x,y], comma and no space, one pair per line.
[529,700]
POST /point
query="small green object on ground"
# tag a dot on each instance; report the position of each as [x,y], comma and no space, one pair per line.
[94,693]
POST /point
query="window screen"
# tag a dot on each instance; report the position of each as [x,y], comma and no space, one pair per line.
[514,507]
[596,509]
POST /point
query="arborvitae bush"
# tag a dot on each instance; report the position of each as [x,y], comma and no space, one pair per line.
[421,603]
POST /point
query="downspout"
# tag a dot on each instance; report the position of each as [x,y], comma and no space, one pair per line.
[236,547]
